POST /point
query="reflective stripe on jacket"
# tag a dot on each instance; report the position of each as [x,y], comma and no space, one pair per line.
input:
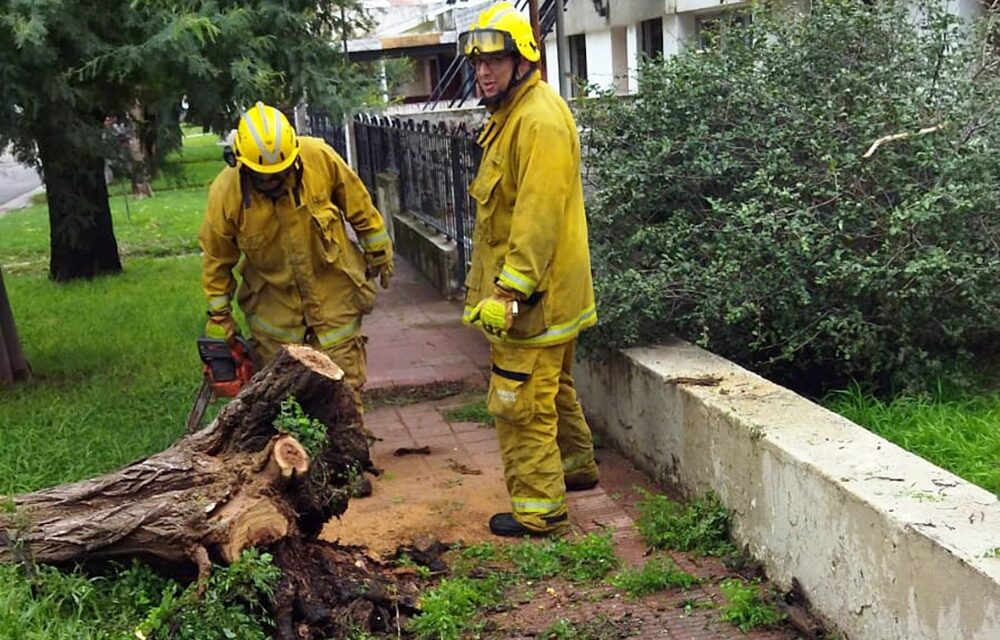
[531,230]
[300,270]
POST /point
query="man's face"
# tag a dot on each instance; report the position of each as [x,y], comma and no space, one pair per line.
[270,184]
[494,72]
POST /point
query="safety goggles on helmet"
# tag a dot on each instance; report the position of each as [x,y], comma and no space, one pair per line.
[485,42]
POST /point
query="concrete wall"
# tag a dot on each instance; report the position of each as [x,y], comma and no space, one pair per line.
[581,16]
[433,255]
[885,545]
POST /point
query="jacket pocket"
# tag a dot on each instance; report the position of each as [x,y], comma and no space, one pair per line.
[511,397]
[326,223]
[484,190]
[530,320]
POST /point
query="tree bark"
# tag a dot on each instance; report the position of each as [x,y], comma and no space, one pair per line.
[236,483]
[141,149]
[13,364]
[82,239]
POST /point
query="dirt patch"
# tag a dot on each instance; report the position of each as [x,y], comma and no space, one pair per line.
[441,495]
[397,396]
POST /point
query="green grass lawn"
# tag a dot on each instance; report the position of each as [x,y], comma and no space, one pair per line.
[958,431]
[114,363]
[164,225]
[115,370]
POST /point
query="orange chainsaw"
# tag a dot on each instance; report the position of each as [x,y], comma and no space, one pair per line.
[227,368]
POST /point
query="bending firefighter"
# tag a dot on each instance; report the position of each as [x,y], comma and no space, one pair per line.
[529,287]
[282,207]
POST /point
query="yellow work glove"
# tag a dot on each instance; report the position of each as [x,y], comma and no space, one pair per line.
[380,264]
[221,326]
[496,313]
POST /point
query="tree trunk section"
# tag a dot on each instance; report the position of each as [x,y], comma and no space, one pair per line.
[141,149]
[236,483]
[13,364]
[82,239]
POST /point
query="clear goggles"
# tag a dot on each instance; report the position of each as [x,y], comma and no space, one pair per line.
[484,42]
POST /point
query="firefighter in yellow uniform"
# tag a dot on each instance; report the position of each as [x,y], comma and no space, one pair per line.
[529,286]
[283,207]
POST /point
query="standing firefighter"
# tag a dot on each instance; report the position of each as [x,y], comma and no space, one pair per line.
[282,206]
[530,287]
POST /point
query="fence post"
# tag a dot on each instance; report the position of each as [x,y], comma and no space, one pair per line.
[461,200]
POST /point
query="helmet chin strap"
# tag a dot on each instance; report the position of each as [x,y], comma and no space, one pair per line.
[515,80]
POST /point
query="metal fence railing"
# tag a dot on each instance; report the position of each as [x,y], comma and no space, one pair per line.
[333,132]
[434,162]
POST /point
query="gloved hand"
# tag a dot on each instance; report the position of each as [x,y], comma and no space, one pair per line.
[380,264]
[496,313]
[221,326]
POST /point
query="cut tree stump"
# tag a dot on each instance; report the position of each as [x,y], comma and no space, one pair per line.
[236,483]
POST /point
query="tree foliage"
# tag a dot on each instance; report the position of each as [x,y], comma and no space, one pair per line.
[734,206]
[66,65]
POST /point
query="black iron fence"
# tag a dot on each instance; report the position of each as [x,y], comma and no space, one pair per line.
[332,131]
[434,162]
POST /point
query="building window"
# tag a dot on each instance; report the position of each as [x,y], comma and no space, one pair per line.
[711,31]
[577,62]
[651,38]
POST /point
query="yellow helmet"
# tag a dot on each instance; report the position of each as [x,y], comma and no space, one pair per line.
[500,29]
[265,140]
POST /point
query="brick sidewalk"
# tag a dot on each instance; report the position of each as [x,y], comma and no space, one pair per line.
[416,339]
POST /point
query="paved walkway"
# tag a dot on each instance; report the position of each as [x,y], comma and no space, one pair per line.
[17,183]
[417,341]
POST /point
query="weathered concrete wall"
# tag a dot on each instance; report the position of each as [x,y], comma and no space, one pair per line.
[387,200]
[886,545]
[433,255]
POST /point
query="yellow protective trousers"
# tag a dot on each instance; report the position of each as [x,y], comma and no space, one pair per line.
[540,424]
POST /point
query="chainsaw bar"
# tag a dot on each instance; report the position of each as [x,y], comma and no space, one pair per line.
[200,405]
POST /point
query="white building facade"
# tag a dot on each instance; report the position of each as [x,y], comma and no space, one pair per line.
[607,39]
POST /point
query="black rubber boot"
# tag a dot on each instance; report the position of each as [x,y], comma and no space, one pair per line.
[581,484]
[504,524]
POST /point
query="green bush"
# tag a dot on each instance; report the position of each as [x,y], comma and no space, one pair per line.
[733,206]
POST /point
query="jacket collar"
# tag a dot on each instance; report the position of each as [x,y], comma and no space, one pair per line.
[499,117]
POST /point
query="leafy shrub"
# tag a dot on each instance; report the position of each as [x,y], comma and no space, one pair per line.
[589,557]
[134,602]
[656,575]
[233,605]
[701,527]
[450,610]
[746,609]
[733,206]
[310,432]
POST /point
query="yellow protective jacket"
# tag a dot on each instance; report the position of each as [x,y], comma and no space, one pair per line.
[531,231]
[300,270]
